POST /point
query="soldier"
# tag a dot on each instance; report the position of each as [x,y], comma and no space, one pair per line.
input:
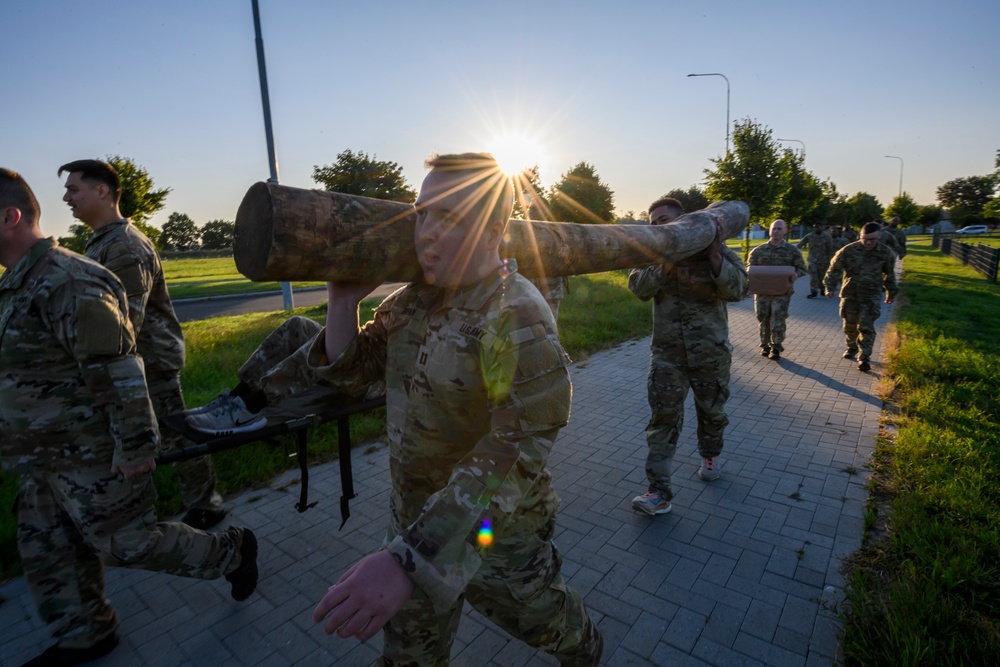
[477,389]
[690,350]
[850,234]
[553,289]
[820,246]
[898,235]
[772,311]
[886,237]
[93,191]
[867,268]
[77,425]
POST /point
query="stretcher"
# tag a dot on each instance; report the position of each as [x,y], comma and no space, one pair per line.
[291,416]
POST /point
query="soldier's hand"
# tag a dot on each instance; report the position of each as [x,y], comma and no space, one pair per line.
[136,468]
[349,292]
[365,597]
[888,299]
[829,294]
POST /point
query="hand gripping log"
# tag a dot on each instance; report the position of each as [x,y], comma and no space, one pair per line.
[286,233]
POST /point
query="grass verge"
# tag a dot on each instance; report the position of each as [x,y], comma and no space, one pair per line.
[925,588]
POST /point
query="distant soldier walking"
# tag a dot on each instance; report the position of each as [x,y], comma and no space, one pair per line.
[899,235]
[867,268]
[772,310]
[820,245]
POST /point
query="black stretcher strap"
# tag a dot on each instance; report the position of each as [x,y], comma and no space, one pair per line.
[327,405]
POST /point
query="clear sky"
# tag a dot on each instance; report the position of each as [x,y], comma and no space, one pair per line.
[174,86]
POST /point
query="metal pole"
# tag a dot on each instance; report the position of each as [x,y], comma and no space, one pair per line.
[900,172]
[286,287]
[727,103]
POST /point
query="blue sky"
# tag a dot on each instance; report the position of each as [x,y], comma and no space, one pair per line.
[174,86]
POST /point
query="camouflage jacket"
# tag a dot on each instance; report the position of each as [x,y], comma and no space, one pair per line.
[768,254]
[820,247]
[72,389]
[125,250]
[866,273]
[690,320]
[477,388]
[888,240]
[900,237]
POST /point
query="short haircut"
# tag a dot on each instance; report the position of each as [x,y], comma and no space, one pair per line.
[871,228]
[493,189]
[96,171]
[14,191]
[669,202]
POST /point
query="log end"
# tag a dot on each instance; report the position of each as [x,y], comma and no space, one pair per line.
[254,230]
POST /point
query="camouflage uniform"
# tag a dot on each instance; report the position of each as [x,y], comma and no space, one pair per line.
[125,250]
[899,236]
[850,234]
[887,239]
[553,290]
[690,349]
[820,251]
[477,390]
[772,311]
[866,273]
[73,402]
[278,366]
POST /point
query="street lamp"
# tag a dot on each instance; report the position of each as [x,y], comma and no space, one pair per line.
[727,103]
[900,172]
[798,142]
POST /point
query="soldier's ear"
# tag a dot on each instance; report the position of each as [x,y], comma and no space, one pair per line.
[10,216]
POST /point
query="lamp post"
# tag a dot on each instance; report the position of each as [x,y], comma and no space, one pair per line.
[900,172]
[287,298]
[727,102]
[798,142]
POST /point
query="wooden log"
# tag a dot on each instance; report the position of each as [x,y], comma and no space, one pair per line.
[286,233]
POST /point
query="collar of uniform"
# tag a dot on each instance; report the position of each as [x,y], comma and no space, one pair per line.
[13,279]
[475,296]
[106,229]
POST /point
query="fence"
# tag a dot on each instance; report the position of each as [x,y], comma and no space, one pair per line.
[980,257]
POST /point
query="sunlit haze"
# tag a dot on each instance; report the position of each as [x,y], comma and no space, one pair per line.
[175,87]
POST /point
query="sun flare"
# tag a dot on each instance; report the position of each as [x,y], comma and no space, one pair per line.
[516,152]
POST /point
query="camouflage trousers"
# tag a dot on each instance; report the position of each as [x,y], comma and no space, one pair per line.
[73,522]
[859,324]
[278,366]
[196,477]
[668,384]
[817,270]
[553,291]
[772,312]
[519,587]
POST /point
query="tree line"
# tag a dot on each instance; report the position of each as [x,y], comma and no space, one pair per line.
[772,179]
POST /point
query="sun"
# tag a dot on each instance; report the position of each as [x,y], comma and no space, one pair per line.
[516,152]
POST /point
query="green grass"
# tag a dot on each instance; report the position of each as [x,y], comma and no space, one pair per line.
[926,590]
[192,278]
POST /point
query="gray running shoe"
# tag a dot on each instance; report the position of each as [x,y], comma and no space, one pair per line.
[229,417]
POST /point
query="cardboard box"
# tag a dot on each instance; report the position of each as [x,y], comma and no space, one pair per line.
[771,280]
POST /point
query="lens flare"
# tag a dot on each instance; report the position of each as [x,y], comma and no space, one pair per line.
[485,536]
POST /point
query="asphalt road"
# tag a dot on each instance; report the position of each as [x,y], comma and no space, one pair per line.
[238,304]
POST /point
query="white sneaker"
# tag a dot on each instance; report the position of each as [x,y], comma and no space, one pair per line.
[709,469]
[651,503]
[228,417]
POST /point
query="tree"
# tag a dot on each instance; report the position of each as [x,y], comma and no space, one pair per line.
[179,233]
[928,216]
[905,209]
[217,235]
[750,173]
[140,201]
[581,197]
[969,194]
[864,208]
[992,209]
[528,194]
[692,199]
[357,174]
[79,234]
[800,202]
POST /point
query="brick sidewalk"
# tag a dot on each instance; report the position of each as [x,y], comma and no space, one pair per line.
[743,571]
